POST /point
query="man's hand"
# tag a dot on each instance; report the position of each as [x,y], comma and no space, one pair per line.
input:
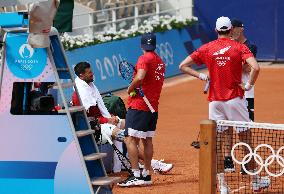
[113,120]
[203,76]
[246,87]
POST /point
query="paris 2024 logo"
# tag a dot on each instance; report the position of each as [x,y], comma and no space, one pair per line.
[23,60]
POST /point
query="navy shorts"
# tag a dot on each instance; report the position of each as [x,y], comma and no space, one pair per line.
[140,124]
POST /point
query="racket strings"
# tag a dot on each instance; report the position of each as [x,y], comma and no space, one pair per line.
[126,71]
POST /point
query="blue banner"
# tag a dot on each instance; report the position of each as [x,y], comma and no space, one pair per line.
[172,46]
[24,61]
[263,22]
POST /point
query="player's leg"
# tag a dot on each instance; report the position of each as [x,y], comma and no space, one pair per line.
[217,112]
[239,112]
[151,121]
[111,131]
[134,128]
[148,155]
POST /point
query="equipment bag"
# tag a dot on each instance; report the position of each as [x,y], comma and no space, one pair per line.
[115,105]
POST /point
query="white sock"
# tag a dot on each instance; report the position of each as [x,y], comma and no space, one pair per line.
[145,172]
[136,172]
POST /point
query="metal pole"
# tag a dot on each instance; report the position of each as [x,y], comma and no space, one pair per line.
[136,14]
[113,13]
[157,8]
[91,22]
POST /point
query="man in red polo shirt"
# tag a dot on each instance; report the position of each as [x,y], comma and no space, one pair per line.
[110,125]
[224,59]
[140,121]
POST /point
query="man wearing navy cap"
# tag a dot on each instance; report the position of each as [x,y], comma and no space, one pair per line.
[140,121]
[238,35]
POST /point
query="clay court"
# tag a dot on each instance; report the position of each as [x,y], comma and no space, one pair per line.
[182,106]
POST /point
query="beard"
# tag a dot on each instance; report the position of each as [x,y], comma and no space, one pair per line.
[90,80]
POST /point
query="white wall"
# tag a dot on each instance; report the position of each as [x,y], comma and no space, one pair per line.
[186,6]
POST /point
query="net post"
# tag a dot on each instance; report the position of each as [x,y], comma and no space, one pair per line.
[207,157]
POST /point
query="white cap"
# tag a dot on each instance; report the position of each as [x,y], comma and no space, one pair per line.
[223,24]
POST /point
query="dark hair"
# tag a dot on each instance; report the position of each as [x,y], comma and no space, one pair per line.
[224,32]
[81,67]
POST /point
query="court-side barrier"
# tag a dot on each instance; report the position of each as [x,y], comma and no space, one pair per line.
[263,24]
[173,46]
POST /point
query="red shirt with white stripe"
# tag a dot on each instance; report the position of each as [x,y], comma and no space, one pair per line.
[152,83]
[224,58]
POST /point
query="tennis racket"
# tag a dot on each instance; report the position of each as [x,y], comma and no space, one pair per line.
[124,160]
[206,87]
[126,70]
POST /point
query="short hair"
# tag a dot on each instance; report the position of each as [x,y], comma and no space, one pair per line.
[81,67]
[224,32]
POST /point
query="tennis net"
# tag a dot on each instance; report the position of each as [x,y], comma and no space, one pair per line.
[249,157]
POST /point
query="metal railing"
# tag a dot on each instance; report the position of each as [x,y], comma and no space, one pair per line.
[104,20]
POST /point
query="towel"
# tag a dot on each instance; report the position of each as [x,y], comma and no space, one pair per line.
[91,96]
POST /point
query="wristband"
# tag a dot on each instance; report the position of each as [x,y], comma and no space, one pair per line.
[248,86]
[203,76]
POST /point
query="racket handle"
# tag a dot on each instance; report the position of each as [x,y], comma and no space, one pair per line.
[146,101]
[206,87]
[148,104]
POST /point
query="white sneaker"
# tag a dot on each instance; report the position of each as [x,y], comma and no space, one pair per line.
[224,189]
[160,166]
[260,183]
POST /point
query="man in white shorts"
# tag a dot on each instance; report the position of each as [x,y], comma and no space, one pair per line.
[224,59]
[110,125]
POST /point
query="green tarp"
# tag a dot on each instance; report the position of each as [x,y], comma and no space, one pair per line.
[64,16]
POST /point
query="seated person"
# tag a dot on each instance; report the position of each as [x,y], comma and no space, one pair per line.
[95,107]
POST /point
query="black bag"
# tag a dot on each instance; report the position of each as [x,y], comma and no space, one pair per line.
[115,105]
[41,103]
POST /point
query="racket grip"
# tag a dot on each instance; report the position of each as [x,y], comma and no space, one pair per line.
[148,104]
[146,101]
[206,87]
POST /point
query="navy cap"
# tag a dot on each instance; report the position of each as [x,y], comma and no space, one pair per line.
[148,41]
[237,23]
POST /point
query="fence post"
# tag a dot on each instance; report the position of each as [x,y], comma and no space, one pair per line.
[207,157]
[157,8]
[113,16]
[136,14]
[91,24]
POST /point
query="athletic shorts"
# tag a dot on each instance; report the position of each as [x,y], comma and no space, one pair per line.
[232,110]
[140,124]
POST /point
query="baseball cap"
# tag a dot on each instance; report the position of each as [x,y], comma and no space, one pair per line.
[223,24]
[237,23]
[148,41]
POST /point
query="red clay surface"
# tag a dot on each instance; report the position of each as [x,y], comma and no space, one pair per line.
[181,109]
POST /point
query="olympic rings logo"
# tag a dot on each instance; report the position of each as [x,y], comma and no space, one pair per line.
[263,164]
[166,52]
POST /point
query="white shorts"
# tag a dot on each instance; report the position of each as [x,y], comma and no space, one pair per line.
[232,110]
[107,129]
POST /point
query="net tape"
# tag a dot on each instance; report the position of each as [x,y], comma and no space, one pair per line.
[249,125]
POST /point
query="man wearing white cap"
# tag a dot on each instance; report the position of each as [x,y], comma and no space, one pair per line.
[224,59]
